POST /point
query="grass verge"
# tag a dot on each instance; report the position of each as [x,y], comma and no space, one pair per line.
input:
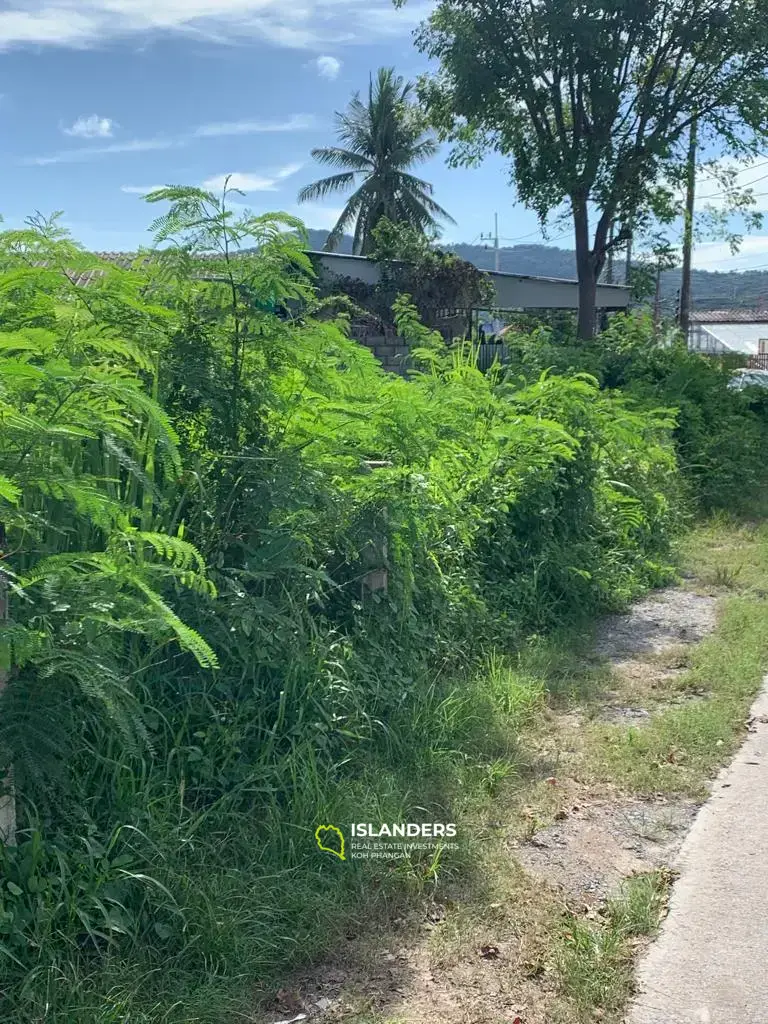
[560,961]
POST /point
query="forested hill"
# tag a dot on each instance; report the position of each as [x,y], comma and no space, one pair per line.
[711,290]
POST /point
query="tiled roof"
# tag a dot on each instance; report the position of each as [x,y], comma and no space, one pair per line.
[730,316]
[124,260]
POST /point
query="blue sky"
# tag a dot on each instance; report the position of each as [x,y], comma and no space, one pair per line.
[104,98]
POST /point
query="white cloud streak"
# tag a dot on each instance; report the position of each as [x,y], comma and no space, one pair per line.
[308,24]
[298,122]
[93,127]
[71,156]
[251,182]
[140,190]
[328,67]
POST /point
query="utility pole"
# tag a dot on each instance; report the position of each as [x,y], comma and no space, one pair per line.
[495,239]
[684,312]
[609,266]
[657,299]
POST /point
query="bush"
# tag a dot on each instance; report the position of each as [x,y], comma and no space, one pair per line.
[721,435]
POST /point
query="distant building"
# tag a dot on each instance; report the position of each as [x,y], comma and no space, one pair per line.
[729,330]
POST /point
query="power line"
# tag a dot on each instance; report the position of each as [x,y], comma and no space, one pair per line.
[748,167]
[730,259]
[520,238]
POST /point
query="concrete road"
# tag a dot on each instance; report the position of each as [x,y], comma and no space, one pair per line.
[710,962]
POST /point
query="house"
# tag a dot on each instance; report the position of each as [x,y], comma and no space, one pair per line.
[512,291]
[725,331]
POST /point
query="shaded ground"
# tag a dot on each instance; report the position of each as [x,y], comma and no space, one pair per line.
[664,619]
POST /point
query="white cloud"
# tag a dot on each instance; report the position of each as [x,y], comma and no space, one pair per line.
[93,127]
[316,216]
[328,67]
[753,252]
[70,156]
[140,190]
[303,25]
[297,123]
[251,182]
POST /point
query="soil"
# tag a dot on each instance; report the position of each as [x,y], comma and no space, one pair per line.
[475,962]
[665,619]
[587,855]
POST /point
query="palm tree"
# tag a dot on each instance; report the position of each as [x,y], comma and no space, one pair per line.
[380,141]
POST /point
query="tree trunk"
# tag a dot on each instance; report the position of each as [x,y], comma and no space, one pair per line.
[690,197]
[586,271]
[587,303]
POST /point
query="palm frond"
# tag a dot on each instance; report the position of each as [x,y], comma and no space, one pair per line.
[348,214]
[337,156]
[326,186]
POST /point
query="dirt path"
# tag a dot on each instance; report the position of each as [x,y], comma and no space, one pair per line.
[556,845]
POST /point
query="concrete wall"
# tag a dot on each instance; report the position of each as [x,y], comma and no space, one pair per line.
[389,349]
[515,291]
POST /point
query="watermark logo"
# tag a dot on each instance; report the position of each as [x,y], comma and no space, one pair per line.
[331,840]
[396,841]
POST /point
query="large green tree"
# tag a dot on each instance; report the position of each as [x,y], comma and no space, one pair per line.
[380,141]
[593,100]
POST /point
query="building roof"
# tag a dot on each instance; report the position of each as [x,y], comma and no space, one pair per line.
[730,316]
[744,338]
[512,291]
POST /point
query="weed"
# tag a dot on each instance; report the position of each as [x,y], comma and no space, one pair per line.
[594,958]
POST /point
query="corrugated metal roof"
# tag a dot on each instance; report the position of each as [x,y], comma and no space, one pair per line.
[736,337]
[730,316]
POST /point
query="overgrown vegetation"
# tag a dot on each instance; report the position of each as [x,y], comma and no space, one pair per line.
[595,958]
[720,436]
[198,474]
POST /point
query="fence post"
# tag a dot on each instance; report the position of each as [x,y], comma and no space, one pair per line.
[8,797]
[375,551]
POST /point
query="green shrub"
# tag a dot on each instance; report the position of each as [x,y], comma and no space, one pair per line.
[721,435]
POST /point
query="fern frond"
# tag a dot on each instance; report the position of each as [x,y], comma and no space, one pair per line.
[188,639]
